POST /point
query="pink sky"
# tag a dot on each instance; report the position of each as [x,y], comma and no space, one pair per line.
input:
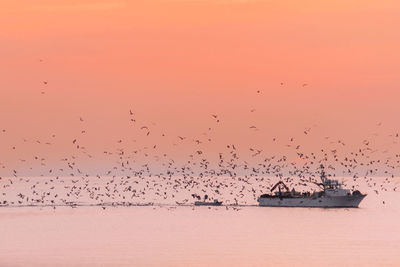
[174,63]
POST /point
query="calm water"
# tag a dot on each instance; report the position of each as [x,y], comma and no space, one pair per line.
[188,236]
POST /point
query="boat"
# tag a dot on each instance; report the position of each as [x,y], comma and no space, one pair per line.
[332,195]
[208,203]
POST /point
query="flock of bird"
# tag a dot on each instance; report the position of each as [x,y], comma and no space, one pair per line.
[148,176]
[228,177]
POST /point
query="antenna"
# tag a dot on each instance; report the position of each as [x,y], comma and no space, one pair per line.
[323,175]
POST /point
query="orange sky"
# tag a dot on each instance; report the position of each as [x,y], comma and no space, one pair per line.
[174,63]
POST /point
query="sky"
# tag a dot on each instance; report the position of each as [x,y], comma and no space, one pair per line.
[281,66]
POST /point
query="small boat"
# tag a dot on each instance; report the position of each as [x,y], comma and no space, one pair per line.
[208,203]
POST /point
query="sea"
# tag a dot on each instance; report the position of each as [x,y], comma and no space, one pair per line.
[184,235]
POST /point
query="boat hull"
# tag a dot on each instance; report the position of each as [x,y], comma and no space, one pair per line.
[199,203]
[309,202]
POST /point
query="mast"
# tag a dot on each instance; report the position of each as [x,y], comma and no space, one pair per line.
[323,175]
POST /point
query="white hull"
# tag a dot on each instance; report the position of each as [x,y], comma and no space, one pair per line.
[318,202]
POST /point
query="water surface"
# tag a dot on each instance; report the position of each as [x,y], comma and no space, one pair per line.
[202,236]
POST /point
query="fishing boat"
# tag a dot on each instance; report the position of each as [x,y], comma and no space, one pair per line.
[332,195]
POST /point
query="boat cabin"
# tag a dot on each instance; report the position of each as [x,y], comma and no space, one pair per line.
[334,188]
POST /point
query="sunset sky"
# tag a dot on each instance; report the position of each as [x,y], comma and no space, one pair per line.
[332,66]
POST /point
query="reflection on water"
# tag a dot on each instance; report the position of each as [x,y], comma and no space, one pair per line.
[202,236]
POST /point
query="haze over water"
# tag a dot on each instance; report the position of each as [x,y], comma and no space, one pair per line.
[201,236]
[173,235]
